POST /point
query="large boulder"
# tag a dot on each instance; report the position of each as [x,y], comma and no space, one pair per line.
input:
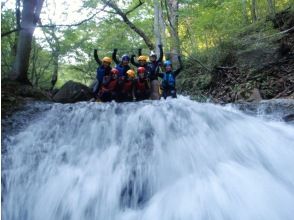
[72,92]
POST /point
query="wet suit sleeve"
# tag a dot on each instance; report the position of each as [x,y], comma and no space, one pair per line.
[160,53]
[98,61]
[133,61]
[180,68]
[139,51]
[114,56]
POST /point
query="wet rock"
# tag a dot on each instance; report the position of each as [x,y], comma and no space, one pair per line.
[255,96]
[72,92]
[289,118]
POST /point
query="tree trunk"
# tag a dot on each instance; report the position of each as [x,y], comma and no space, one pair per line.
[159,26]
[54,76]
[271,7]
[173,19]
[30,15]
[253,11]
[244,12]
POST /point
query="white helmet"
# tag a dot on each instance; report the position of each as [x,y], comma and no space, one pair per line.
[152,53]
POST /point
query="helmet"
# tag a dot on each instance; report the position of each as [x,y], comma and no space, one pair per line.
[167,63]
[141,70]
[131,73]
[125,57]
[142,58]
[114,71]
[152,53]
[107,59]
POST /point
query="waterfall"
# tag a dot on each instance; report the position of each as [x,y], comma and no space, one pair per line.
[162,160]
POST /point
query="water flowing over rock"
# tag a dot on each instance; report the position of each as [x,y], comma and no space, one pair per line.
[159,160]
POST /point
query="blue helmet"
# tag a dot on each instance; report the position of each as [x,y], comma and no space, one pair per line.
[167,63]
[125,57]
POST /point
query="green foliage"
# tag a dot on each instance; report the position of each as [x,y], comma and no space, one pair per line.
[209,31]
[8,45]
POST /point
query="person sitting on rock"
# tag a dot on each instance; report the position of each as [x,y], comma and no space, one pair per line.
[142,85]
[109,86]
[168,84]
[126,87]
[122,65]
[103,69]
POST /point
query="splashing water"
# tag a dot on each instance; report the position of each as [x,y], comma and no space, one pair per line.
[162,160]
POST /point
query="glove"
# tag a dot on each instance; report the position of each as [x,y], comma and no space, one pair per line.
[115,50]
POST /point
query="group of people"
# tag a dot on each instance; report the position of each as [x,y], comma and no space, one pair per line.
[123,84]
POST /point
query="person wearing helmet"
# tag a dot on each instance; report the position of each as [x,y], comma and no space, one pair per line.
[109,87]
[103,69]
[122,65]
[141,85]
[126,87]
[153,68]
[168,84]
[142,61]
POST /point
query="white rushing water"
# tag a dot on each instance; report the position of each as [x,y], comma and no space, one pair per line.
[162,160]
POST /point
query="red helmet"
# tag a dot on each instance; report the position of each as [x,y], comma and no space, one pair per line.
[141,70]
[114,71]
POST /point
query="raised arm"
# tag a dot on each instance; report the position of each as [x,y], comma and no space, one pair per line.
[180,68]
[98,61]
[139,52]
[114,57]
[133,61]
[160,53]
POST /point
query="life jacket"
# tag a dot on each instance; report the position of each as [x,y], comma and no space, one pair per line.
[141,85]
[101,72]
[169,80]
[112,85]
[122,69]
[127,86]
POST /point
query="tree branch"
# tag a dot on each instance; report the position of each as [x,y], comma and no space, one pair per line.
[56,25]
[133,9]
[129,23]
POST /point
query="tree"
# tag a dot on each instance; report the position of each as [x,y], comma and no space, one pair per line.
[29,18]
[159,26]
[172,8]
[253,11]
[271,7]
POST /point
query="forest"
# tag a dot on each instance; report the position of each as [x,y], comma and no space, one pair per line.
[230,48]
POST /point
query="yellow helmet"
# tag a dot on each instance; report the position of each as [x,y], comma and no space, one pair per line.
[131,73]
[107,59]
[142,58]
